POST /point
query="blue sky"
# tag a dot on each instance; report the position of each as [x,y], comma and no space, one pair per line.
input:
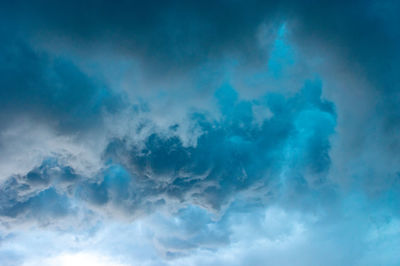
[199,133]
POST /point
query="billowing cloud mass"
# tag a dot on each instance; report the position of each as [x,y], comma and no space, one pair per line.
[199,133]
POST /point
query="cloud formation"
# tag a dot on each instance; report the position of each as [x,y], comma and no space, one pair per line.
[203,128]
[233,153]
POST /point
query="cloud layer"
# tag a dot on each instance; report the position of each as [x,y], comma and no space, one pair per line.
[199,133]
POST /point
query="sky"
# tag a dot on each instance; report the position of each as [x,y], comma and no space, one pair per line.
[220,132]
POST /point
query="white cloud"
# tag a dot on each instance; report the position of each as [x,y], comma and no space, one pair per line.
[77,259]
[25,144]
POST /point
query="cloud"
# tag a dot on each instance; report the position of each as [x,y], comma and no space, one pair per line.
[51,90]
[114,141]
[163,35]
[232,154]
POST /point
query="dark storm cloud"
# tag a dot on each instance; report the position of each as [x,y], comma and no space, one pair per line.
[249,154]
[179,33]
[365,32]
[232,154]
[48,89]
[162,34]
[174,35]
[365,36]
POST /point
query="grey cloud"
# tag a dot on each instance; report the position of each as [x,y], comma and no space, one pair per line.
[231,155]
